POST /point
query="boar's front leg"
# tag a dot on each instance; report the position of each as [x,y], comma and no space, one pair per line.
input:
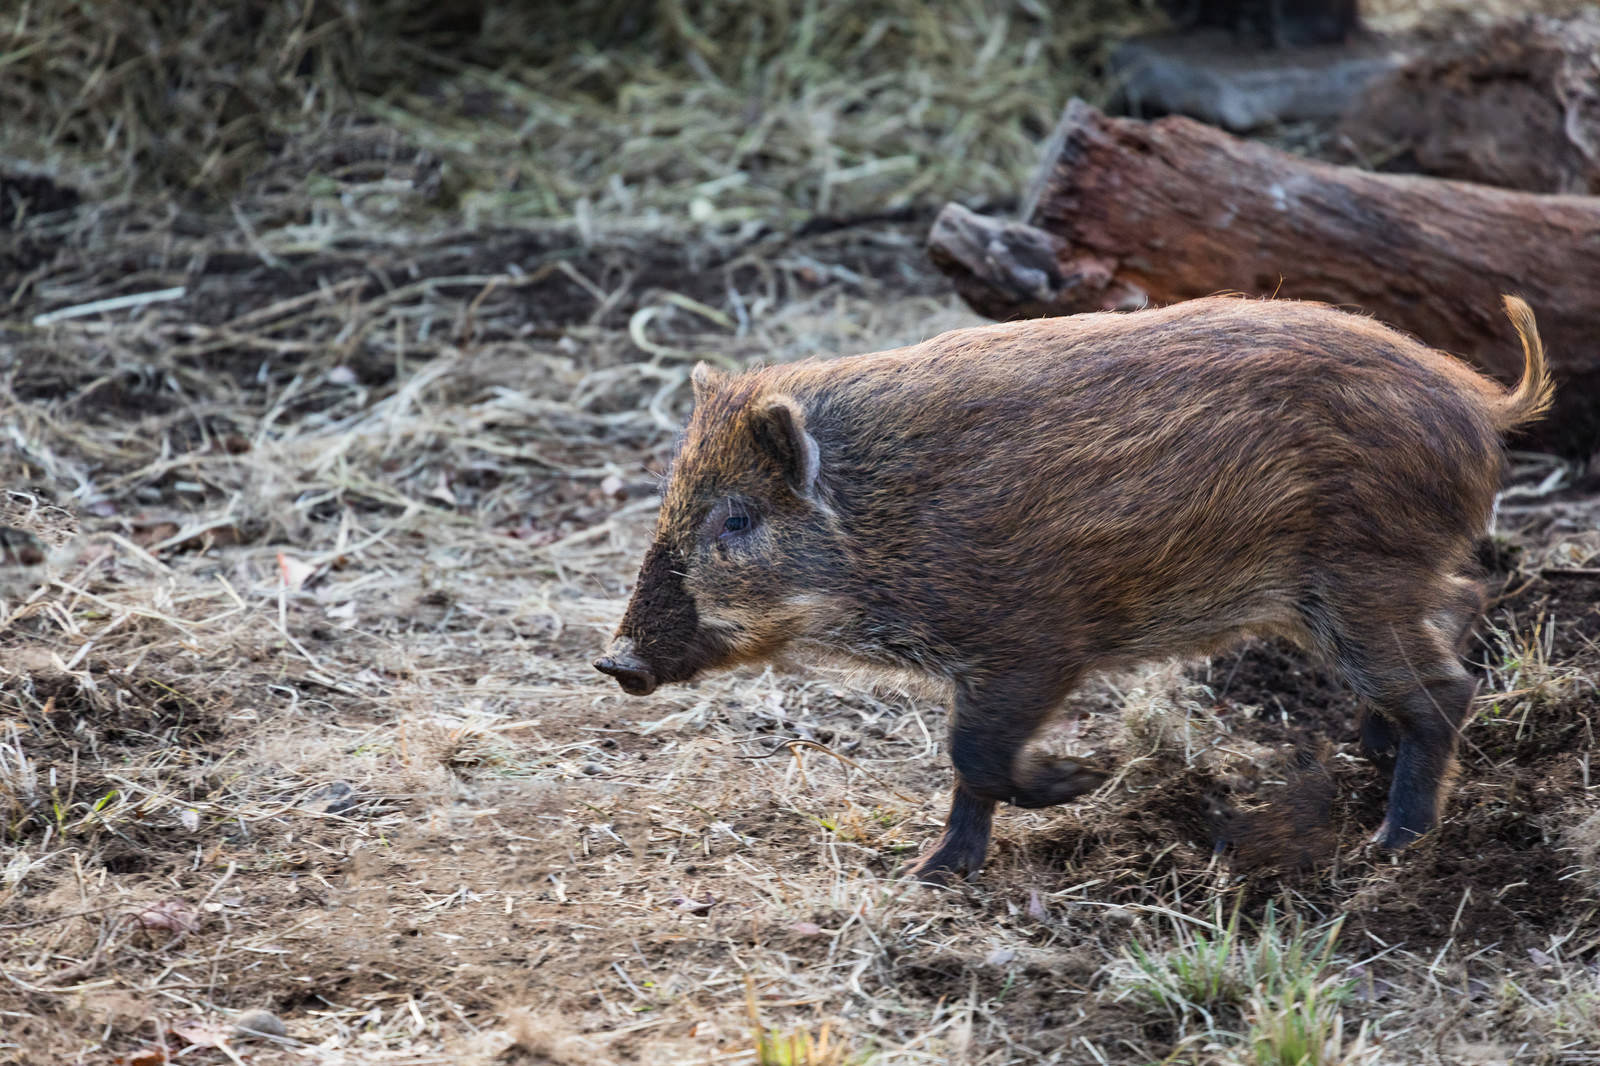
[990,725]
[965,841]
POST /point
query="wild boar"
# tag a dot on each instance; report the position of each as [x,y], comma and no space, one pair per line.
[1005,508]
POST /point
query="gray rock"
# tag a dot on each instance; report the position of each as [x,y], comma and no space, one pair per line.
[260,1023]
[333,798]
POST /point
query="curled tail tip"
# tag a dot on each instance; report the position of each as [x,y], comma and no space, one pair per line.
[1521,316]
[1533,394]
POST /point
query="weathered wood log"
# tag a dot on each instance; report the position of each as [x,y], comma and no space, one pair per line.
[1126,213]
[1515,103]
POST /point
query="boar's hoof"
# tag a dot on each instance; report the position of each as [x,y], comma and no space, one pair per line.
[1392,837]
[1054,781]
[634,676]
[947,862]
[938,873]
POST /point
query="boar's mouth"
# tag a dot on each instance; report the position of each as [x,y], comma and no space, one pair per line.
[632,673]
[660,640]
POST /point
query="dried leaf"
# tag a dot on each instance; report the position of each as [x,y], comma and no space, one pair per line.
[294,572]
[442,491]
[695,906]
[147,534]
[201,1034]
[153,1057]
[176,916]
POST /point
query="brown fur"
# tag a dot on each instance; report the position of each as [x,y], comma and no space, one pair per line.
[1005,508]
[1289,827]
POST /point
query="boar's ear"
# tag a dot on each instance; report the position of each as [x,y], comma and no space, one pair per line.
[706,379]
[779,425]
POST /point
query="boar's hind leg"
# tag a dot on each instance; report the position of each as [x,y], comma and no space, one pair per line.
[1380,740]
[1412,672]
[990,726]
[1428,720]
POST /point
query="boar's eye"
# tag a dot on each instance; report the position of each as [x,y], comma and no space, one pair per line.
[727,523]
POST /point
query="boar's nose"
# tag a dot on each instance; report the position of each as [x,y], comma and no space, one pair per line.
[632,674]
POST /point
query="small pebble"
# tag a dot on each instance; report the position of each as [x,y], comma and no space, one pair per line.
[593,768]
[334,798]
[260,1023]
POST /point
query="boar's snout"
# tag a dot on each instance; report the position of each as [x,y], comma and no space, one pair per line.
[659,640]
[631,672]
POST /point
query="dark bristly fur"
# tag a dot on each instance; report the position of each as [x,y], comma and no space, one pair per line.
[1006,508]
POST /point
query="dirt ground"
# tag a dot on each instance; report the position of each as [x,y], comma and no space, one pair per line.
[299,718]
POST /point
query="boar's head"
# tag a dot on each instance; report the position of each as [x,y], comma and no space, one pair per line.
[741,531]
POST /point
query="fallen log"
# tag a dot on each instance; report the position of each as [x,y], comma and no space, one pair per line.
[1126,213]
[1515,103]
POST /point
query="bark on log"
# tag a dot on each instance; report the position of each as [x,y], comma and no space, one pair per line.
[1126,213]
[1514,104]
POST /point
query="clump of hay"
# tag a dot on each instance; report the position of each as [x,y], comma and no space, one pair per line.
[712,108]
[26,512]
[1167,715]
[191,97]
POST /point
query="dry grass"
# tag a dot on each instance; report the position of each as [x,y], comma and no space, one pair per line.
[295,710]
[690,110]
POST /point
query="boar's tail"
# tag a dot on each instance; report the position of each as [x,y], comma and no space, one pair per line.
[1532,396]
